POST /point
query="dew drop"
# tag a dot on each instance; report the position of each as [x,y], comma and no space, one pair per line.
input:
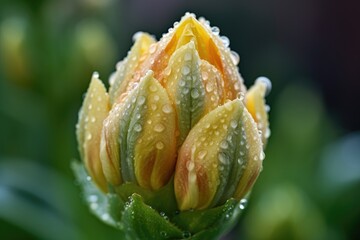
[93,198]
[222,158]
[153,88]
[105,217]
[267,108]
[190,166]
[137,127]
[243,203]
[152,48]
[182,83]
[233,124]
[187,56]
[156,98]
[90,106]
[93,119]
[185,70]
[235,57]
[266,82]
[88,136]
[225,41]
[204,75]
[215,30]
[141,100]
[167,108]
[95,75]
[237,86]
[159,127]
[209,87]
[136,36]
[224,144]
[88,178]
[94,206]
[267,133]
[262,156]
[202,154]
[159,145]
[194,93]
[167,71]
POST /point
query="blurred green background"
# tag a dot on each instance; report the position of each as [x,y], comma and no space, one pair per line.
[310,186]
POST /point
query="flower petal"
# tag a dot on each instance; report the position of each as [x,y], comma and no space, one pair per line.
[142,128]
[122,79]
[94,110]
[255,103]
[219,159]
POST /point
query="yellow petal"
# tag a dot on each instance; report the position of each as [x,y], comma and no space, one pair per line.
[94,110]
[109,146]
[122,80]
[255,103]
[215,159]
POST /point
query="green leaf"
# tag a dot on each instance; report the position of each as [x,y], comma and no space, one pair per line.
[107,207]
[142,222]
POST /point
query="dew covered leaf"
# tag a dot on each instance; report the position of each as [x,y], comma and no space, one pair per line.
[106,207]
[142,222]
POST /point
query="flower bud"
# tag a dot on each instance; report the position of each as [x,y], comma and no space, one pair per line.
[177,131]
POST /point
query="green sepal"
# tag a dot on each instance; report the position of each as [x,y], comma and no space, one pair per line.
[209,223]
[143,222]
[153,216]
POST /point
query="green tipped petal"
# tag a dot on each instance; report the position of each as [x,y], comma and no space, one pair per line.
[185,88]
[94,110]
[219,158]
[121,80]
[139,135]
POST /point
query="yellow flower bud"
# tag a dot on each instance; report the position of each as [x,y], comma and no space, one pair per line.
[177,114]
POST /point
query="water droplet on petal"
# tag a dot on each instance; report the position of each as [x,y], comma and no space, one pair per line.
[141,100]
[262,156]
[167,108]
[225,41]
[266,81]
[202,154]
[136,36]
[152,48]
[137,127]
[159,127]
[215,30]
[190,166]
[185,70]
[235,57]
[153,88]
[204,75]
[95,75]
[224,144]
[167,71]
[233,124]
[187,56]
[159,145]
[222,158]
[194,93]
[88,136]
